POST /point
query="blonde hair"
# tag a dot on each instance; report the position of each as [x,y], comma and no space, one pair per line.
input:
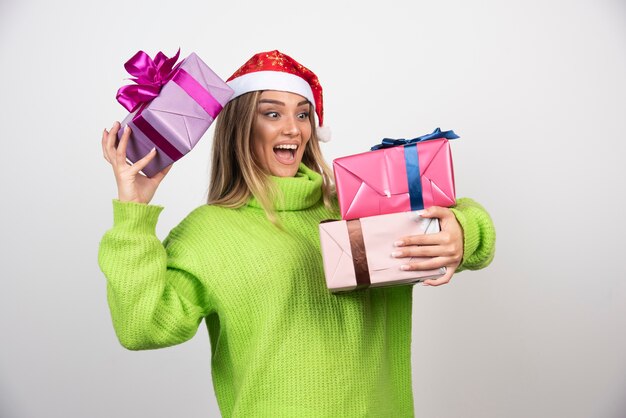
[236,175]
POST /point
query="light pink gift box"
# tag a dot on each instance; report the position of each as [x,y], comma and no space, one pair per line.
[397,179]
[357,253]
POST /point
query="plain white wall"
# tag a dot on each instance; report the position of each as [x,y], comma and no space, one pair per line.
[536,89]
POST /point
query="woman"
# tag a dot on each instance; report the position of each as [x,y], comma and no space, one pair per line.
[249,263]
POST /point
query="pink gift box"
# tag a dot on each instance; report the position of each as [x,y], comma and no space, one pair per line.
[396,179]
[175,120]
[357,253]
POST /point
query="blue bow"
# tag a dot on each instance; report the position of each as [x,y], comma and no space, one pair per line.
[388,142]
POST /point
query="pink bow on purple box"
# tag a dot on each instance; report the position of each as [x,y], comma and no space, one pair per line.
[171,106]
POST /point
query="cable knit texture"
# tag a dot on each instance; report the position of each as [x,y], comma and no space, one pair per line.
[282,344]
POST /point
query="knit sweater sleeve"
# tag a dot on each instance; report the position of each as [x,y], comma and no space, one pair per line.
[479,234]
[154,296]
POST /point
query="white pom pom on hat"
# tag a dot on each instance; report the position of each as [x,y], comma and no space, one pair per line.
[323,133]
[274,70]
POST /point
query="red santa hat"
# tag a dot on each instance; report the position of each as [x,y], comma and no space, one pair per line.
[274,70]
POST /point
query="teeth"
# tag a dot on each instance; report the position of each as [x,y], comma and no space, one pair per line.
[287,146]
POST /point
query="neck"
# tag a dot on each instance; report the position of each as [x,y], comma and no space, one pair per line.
[295,193]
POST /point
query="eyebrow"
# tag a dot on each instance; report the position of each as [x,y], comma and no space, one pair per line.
[278,102]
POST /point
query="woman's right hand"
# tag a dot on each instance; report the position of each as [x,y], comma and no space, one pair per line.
[131,185]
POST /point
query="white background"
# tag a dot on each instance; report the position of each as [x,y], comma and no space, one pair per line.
[536,89]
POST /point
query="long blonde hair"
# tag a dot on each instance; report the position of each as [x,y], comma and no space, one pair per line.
[236,175]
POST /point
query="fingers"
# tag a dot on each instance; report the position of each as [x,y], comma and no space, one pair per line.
[120,154]
[425,251]
[440,249]
[423,239]
[432,263]
[105,134]
[436,212]
[428,239]
[116,156]
[108,143]
[141,164]
[442,280]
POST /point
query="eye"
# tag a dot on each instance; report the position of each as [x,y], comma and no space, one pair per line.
[303,115]
[272,115]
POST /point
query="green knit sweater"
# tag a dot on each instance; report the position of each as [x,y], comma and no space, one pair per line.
[282,345]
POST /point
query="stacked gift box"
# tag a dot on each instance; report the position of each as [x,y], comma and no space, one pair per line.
[381,194]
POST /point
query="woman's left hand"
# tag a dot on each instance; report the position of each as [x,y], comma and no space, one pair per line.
[444,248]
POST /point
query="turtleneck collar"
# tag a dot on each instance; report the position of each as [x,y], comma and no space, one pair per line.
[299,192]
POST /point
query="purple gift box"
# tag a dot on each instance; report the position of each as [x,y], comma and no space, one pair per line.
[171,108]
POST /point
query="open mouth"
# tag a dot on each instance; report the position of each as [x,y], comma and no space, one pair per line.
[285,153]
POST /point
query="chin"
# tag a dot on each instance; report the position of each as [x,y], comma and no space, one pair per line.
[284,171]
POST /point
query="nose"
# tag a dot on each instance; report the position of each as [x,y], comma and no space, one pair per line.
[290,126]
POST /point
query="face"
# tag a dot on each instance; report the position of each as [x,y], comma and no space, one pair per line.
[281,132]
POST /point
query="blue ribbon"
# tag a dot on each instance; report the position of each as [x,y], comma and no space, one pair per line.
[412,162]
[436,134]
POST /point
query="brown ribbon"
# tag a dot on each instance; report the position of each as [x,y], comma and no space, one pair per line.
[359,256]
